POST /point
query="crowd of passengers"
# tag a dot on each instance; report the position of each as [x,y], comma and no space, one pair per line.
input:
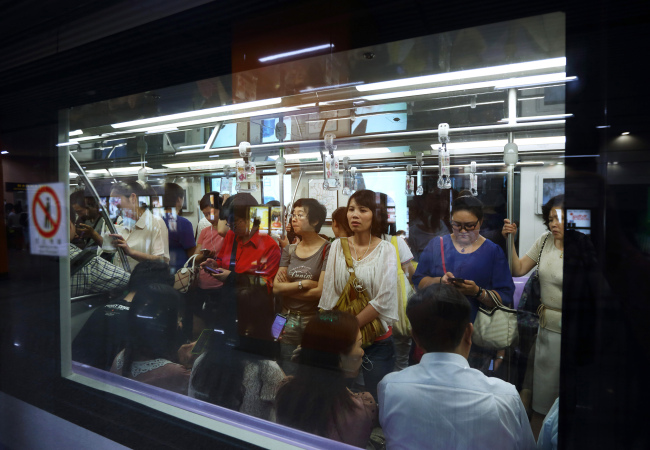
[375,346]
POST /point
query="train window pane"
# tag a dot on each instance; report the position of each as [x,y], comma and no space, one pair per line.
[200,302]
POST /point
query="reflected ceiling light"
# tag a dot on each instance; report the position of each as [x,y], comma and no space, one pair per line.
[625,133]
[116,170]
[4,152]
[531,98]
[201,112]
[73,175]
[603,126]
[161,129]
[85,138]
[191,146]
[537,118]
[75,133]
[296,52]
[201,164]
[465,74]
[139,162]
[496,84]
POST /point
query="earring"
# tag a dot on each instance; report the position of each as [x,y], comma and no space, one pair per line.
[366,364]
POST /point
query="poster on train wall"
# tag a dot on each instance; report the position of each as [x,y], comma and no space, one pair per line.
[48,219]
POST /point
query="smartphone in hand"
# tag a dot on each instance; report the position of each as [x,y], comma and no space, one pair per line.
[456,280]
[211,270]
[278,325]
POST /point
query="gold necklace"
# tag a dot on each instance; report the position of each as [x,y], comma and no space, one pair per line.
[364,255]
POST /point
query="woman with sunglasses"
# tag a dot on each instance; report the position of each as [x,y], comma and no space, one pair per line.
[472,264]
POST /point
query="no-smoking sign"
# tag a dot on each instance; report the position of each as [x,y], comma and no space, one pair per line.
[48,222]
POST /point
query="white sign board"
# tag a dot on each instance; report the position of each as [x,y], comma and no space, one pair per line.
[48,219]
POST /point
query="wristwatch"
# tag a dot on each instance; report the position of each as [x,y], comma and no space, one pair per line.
[480,291]
[300,284]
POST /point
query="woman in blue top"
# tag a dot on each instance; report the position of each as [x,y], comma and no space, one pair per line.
[181,231]
[479,262]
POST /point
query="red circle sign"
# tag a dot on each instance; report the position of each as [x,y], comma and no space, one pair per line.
[37,201]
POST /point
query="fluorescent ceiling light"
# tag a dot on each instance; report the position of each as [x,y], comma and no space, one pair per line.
[201,112]
[465,106]
[538,80]
[117,170]
[296,52]
[73,175]
[462,148]
[496,84]
[202,164]
[191,146]
[85,138]
[465,74]
[222,118]
[4,152]
[531,98]
[339,153]
[75,133]
[139,162]
[66,144]
[536,118]
[161,129]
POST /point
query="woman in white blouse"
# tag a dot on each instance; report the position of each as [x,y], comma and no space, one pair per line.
[375,266]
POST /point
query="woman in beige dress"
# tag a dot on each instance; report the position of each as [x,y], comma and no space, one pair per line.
[546,372]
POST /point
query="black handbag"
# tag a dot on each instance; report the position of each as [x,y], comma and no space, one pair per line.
[527,318]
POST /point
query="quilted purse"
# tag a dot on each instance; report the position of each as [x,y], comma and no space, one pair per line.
[187,277]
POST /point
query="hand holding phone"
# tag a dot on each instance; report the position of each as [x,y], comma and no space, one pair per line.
[211,270]
[278,325]
[456,280]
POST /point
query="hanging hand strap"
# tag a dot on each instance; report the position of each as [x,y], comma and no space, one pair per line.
[442,254]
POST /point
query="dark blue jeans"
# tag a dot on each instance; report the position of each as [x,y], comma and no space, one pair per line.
[382,356]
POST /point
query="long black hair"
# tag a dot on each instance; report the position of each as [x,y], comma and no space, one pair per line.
[152,328]
[372,201]
[318,392]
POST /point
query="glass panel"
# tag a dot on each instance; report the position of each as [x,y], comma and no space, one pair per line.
[204,296]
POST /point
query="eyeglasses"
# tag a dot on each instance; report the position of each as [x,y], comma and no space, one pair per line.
[298,216]
[468,226]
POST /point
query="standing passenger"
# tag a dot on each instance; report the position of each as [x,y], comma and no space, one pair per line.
[300,278]
[373,295]
[180,230]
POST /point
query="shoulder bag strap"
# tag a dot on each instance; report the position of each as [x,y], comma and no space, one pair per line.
[442,254]
[393,240]
[539,258]
[348,256]
[233,255]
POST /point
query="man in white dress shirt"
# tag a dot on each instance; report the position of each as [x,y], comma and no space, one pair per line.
[442,403]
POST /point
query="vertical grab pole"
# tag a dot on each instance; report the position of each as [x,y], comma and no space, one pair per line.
[281,169]
[510,158]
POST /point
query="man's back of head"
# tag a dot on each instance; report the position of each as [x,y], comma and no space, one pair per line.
[442,402]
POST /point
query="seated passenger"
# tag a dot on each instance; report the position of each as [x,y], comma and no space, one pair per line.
[90,274]
[180,230]
[140,234]
[89,221]
[104,334]
[300,278]
[234,379]
[442,402]
[317,400]
[152,340]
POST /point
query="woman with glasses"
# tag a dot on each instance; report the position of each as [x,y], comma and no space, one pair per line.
[473,265]
[300,278]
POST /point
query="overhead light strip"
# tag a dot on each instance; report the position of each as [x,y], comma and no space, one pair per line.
[466,74]
[296,52]
[201,112]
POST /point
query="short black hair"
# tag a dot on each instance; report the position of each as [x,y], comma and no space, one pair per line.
[468,203]
[316,212]
[372,201]
[150,272]
[78,198]
[210,199]
[554,202]
[172,193]
[340,216]
[237,206]
[439,315]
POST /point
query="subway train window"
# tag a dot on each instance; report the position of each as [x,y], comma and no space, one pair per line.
[306,244]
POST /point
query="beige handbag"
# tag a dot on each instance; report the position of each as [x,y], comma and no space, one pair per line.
[495,328]
[186,278]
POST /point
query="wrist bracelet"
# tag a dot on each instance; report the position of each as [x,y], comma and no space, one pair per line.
[478,294]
